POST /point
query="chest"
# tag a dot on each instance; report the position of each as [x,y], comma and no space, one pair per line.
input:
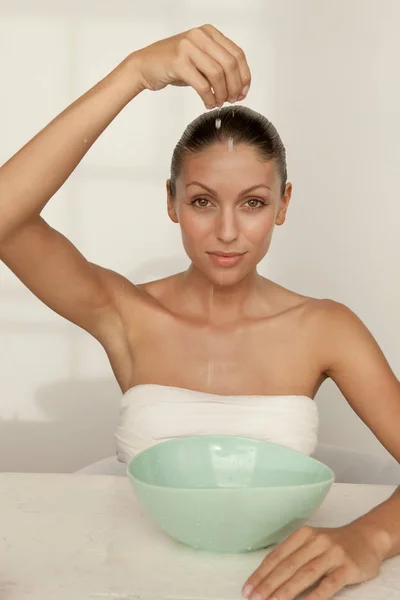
[250,358]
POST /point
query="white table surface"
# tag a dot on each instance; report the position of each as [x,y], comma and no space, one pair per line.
[79,537]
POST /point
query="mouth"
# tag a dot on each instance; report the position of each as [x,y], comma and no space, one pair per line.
[226,259]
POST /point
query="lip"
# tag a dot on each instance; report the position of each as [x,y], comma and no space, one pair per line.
[226,259]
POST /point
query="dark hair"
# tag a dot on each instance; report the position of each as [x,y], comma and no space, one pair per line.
[238,124]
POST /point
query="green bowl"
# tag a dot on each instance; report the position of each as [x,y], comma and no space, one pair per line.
[228,494]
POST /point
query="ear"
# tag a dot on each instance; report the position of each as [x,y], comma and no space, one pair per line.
[171,204]
[284,204]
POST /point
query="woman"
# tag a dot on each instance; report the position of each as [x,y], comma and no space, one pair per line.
[217,348]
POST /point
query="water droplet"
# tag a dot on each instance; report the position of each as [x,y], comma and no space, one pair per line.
[230,144]
[218,123]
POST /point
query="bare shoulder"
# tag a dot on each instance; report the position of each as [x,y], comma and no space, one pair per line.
[341,336]
[118,286]
[128,298]
[329,324]
[284,301]
[350,355]
[157,288]
[122,287]
[334,323]
[163,296]
[135,300]
[332,316]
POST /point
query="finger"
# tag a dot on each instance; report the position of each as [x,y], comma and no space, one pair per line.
[237,52]
[279,554]
[223,57]
[306,576]
[213,71]
[329,586]
[306,564]
[190,75]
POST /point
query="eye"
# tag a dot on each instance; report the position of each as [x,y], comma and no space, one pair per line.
[201,202]
[254,203]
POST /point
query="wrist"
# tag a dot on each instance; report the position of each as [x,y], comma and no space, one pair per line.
[126,78]
[132,65]
[375,535]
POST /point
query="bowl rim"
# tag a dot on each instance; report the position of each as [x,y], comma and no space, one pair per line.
[133,478]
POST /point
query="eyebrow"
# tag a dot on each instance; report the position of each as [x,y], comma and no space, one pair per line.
[242,193]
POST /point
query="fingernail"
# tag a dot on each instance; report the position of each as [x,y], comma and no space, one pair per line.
[247,591]
[232,100]
[210,106]
[245,90]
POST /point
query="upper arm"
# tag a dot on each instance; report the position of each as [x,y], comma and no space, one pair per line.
[57,273]
[355,362]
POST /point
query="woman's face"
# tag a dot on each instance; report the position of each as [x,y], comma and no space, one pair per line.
[228,201]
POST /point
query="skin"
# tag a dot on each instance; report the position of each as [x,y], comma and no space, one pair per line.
[255,331]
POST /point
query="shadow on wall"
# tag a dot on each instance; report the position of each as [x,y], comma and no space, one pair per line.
[81,415]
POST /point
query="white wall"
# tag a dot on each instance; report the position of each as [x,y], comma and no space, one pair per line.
[324,71]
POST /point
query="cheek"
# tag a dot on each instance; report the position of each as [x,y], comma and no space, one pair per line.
[195,226]
[258,228]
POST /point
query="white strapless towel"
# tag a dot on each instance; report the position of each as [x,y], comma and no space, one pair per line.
[151,414]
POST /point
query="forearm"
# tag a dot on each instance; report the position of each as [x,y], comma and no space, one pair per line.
[383,524]
[33,175]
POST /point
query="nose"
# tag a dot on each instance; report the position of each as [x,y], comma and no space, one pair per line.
[226,227]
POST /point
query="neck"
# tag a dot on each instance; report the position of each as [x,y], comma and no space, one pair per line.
[221,303]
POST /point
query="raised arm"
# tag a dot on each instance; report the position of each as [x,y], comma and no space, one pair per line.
[43,259]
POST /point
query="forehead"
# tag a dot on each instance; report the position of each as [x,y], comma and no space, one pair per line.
[239,166]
